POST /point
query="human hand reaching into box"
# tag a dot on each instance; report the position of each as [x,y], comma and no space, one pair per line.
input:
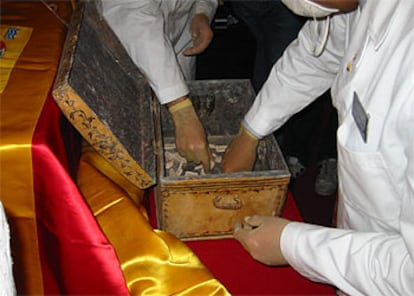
[190,137]
[240,155]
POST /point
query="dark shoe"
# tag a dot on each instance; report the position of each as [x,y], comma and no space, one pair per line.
[295,167]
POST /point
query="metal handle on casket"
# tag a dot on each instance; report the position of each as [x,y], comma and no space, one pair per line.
[227,202]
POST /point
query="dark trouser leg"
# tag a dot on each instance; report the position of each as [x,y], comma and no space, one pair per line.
[274,26]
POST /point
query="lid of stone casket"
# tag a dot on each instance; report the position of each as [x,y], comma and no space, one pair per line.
[105,97]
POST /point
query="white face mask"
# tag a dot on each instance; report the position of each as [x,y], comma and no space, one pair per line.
[308,8]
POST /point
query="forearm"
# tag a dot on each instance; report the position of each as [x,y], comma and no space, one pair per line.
[140,27]
[357,263]
[286,92]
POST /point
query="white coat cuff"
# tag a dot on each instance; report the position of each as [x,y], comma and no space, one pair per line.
[247,127]
[290,242]
[261,129]
[172,93]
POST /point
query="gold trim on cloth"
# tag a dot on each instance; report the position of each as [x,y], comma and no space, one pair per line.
[153,262]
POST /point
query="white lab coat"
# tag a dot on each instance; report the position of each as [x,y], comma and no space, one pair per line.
[155,33]
[369,62]
[7,287]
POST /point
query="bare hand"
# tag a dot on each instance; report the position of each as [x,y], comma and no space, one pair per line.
[201,34]
[260,236]
[190,137]
[240,155]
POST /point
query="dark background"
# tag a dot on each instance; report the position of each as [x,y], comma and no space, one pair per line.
[231,56]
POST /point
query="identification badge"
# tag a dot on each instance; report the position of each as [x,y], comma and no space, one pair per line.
[361,117]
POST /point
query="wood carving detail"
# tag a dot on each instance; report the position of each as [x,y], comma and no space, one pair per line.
[97,135]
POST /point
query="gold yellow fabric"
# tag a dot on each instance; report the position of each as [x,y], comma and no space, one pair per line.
[15,38]
[153,262]
[91,156]
[38,58]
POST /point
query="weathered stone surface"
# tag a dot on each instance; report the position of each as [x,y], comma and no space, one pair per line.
[106,98]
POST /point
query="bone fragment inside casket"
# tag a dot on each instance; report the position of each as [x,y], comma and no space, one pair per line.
[176,165]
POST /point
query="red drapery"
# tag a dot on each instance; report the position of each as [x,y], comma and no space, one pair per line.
[57,244]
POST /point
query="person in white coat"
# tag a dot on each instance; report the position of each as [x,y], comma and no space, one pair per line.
[367,58]
[7,286]
[162,37]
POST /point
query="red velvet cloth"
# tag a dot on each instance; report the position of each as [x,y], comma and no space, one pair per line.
[242,275]
[75,255]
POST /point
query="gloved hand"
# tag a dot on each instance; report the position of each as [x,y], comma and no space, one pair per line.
[201,33]
[190,138]
[260,236]
[240,155]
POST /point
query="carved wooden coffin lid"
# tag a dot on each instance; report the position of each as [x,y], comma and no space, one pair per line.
[106,98]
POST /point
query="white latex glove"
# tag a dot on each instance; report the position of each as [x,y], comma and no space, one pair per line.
[190,137]
[260,236]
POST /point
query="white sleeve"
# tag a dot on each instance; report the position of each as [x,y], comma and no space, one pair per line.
[358,263]
[140,27]
[298,77]
[7,286]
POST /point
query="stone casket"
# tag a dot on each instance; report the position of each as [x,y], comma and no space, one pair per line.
[105,97]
